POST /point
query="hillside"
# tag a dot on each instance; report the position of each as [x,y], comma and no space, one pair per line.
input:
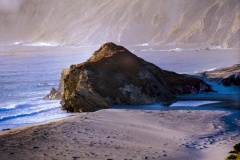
[91,22]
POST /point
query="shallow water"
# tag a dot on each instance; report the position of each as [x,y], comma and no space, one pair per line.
[28,73]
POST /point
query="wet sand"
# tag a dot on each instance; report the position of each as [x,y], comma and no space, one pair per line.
[125,134]
[135,134]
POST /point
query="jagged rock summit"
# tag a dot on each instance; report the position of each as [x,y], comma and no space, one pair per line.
[113,75]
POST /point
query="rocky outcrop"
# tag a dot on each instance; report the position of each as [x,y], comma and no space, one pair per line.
[184,84]
[64,73]
[113,75]
[227,76]
[57,94]
[53,95]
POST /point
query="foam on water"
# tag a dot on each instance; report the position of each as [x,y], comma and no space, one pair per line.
[48,44]
[45,84]
[37,44]
[30,112]
[176,49]
[25,80]
[191,103]
[26,109]
[177,105]
[19,43]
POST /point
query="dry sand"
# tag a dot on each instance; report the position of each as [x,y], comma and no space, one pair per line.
[125,134]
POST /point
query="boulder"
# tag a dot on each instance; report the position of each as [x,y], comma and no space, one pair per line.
[53,95]
[113,76]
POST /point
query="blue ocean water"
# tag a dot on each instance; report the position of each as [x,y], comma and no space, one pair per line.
[27,74]
[25,78]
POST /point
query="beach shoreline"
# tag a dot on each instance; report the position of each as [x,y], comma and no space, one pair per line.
[225,101]
[125,134]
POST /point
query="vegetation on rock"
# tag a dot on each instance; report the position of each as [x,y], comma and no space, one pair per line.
[235,154]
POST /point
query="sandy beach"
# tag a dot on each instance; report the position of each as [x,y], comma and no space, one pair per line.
[125,134]
[120,53]
[199,134]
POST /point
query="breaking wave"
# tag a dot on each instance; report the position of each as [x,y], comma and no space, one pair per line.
[26,109]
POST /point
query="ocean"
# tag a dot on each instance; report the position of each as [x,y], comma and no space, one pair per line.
[27,74]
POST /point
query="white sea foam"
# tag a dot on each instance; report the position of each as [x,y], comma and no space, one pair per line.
[211,69]
[47,44]
[27,109]
[191,103]
[216,68]
[144,44]
[220,47]
[148,50]
[176,49]
[167,50]
[19,43]
[6,106]
[42,111]
[37,44]
[45,84]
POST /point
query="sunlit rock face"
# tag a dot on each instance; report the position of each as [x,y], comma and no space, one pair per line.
[53,95]
[114,76]
[227,76]
[56,94]
[81,22]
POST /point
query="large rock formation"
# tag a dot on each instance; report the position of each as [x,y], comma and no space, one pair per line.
[227,76]
[57,94]
[113,75]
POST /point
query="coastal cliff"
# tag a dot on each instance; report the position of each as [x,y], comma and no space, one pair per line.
[113,75]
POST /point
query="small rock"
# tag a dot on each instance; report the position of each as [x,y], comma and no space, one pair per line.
[6,129]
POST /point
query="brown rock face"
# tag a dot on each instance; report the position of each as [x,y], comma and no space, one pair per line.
[184,84]
[53,95]
[113,75]
[57,94]
[227,76]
